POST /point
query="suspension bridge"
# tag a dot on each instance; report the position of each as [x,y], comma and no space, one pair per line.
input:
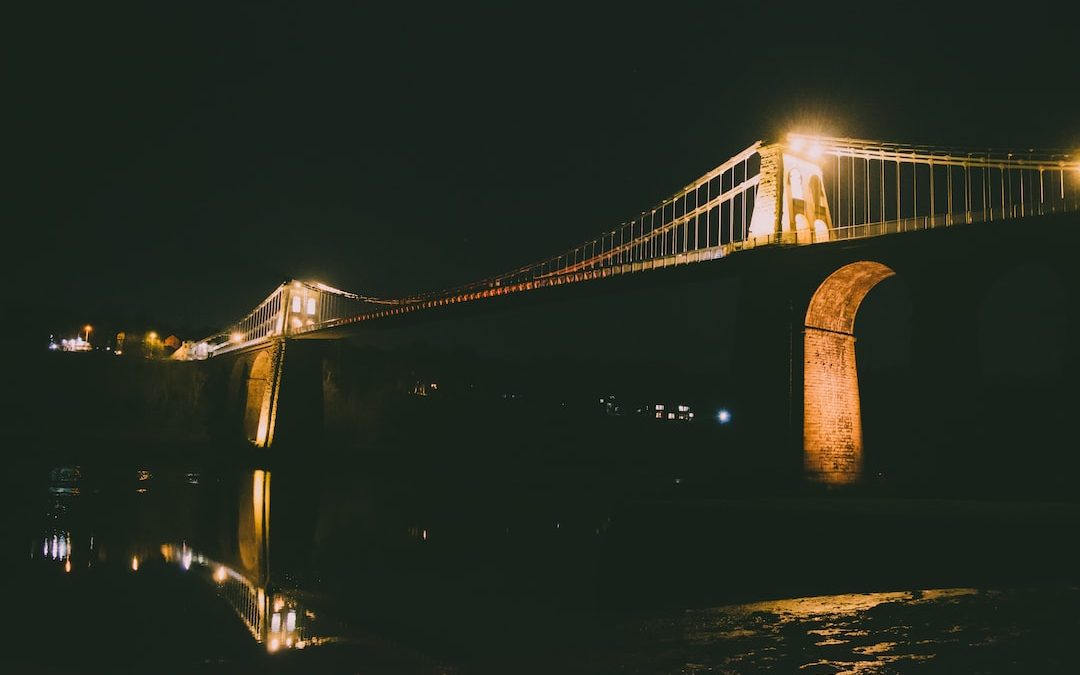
[805,190]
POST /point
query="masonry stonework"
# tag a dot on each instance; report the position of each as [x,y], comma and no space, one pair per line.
[832,414]
[832,442]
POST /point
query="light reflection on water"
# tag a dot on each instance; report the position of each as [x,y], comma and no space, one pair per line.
[961,630]
[138,541]
[940,630]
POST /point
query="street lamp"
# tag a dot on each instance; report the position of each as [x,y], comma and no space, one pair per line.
[88,328]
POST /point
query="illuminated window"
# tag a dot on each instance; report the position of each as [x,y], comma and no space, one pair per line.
[296,303]
[290,620]
[684,408]
[671,416]
[311,305]
[659,406]
[275,622]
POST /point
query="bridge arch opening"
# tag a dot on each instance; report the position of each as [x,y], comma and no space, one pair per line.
[832,414]
[1023,327]
[819,210]
[1027,396]
[257,400]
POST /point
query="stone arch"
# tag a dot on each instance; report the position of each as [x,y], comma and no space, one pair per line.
[257,399]
[832,416]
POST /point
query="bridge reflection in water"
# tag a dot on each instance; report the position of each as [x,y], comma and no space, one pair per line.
[860,632]
[276,619]
[77,537]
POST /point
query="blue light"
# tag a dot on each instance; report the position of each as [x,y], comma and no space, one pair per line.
[723,416]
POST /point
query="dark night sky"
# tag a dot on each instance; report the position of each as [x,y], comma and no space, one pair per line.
[174,161]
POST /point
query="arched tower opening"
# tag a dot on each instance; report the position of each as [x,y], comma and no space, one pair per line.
[1023,327]
[832,415]
[791,206]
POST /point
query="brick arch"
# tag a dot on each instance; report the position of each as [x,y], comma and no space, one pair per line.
[257,400]
[832,416]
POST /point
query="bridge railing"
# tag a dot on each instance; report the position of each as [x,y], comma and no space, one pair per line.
[871,189]
[293,308]
[876,229]
[244,597]
[871,181]
[704,216]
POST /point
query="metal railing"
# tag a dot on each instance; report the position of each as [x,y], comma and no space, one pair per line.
[872,188]
[243,596]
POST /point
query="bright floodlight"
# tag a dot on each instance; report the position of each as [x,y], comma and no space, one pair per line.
[237,337]
[797,143]
[723,416]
